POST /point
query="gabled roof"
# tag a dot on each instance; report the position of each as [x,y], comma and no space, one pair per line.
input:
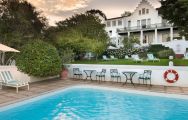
[141,2]
[144,1]
[115,18]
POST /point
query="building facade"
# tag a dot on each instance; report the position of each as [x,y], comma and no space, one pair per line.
[146,24]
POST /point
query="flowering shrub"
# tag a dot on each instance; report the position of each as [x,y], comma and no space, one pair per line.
[120,53]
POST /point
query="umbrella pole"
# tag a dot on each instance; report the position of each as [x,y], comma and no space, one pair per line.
[3,58]
[0,58]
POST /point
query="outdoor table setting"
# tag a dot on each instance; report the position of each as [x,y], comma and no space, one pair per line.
[89,74]
[129,76]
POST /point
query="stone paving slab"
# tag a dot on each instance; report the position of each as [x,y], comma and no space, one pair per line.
[8,95]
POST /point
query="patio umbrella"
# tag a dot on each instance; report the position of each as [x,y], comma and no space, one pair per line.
[112,48]
[3,50]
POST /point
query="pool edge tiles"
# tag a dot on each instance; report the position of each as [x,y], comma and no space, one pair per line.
[54,92]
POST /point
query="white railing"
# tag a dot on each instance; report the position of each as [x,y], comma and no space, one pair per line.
[143,27]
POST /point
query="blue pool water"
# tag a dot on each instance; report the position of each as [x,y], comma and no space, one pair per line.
[96,104]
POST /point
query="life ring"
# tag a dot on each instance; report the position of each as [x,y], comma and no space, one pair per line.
[169,80]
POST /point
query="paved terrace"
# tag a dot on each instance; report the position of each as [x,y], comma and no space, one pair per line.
[8,95]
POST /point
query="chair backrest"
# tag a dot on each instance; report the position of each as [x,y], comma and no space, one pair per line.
[103,70]
[147,73]
[150,56]
[112,57]
[135,56]
[126,57]
[186,55]
[6,76]
[75,70]
[113,71]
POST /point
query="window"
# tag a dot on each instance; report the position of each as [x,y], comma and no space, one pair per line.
[140,12]
[147,11]
[143,11]
[143,23]
[138,23]
[129,23]
[119,22]
[145,39]
[114,23]
[108,24]
[149,22]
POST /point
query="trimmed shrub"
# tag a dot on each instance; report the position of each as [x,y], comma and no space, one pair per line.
[164,54]
[39,59]
[156,48]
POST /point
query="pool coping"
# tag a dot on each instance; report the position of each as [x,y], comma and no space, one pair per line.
[111,88]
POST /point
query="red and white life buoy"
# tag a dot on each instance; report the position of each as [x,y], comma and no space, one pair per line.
[171,76]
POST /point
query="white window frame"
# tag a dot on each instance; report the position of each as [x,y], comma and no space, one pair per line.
[114,23]
[149,21]
[143,11]
[120,22]
[147,11]
[108,23]
[129,24]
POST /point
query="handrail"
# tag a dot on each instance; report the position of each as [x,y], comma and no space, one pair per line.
[144,27]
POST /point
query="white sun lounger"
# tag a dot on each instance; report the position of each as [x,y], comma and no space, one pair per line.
[105,58]
[186,56]
[136,58]
[152,58]
[113,58]
[8,80]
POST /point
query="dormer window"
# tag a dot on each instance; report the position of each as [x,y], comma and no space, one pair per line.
[140,12]
[143,11]
[147,11]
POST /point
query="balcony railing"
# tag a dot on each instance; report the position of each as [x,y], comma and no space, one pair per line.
[144,27]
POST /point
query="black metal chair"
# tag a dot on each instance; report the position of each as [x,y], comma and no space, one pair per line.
[115,74]
[77,73]
[145,77]
[101,75]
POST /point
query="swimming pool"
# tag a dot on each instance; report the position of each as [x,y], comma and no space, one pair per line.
[90,103]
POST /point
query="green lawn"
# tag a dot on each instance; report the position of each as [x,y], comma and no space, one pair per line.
[163,62]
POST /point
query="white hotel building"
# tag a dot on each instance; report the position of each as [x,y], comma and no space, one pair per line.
[146,24]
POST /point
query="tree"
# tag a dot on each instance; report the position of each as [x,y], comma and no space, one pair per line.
[88,24]
[176,12]
[130,41]
[96,13]
[126,14]
[82,33]
[19,22]
[75,41]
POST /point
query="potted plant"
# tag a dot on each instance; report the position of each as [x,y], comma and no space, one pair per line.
[64,73]
[67,56]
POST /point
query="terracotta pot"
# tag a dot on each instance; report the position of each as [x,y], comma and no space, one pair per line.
[64,74]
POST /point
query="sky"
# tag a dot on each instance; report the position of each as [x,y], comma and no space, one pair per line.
[56,10]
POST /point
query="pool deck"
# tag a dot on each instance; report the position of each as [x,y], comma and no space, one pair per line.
[8,95]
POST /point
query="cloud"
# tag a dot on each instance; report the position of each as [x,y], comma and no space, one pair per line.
[56,10]
[56,6]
